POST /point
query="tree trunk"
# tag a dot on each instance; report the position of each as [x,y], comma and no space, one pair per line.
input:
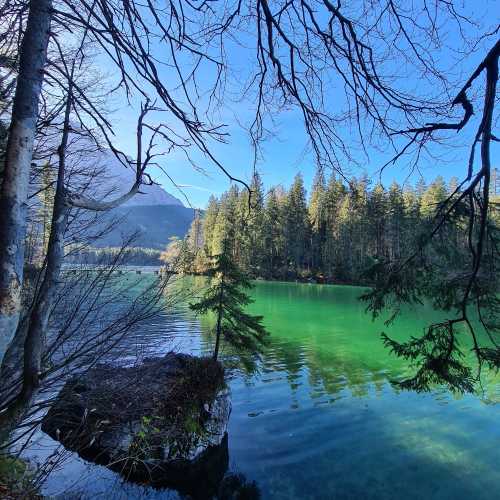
[15,182]
[32,334]
[219,321]
[34,346]
[217,334]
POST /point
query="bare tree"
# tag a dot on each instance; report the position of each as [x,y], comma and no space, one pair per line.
[333,63]
[125,32]
[468,291]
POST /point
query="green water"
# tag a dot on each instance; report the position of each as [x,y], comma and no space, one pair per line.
[321,419]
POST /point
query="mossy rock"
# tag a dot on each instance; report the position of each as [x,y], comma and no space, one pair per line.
[163,422]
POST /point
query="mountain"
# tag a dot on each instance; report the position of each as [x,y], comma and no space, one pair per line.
[154,224]
[99,173]
[119,179]
[153,214]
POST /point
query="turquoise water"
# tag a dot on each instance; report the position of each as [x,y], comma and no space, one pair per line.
[320,419]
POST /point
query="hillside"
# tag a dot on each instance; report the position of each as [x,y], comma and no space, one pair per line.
[155,224]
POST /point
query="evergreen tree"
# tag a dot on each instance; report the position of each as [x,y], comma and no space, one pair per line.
[250,228]
[412,219]
[432,197]
[273,236]
[334,198]
[178,255]
[226,228]
[377,212]
[195,244]
[343,231]
[209,221]
[453,184]
[396,220]
[255,225]
[195,233]
[420,187]
[296,226]
[226,297]
[317,219]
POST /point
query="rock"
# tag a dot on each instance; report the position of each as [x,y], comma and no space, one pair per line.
[163,422]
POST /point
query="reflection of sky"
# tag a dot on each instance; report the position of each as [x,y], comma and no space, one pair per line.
[285,152]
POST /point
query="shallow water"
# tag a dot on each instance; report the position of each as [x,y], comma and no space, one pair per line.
[321,419]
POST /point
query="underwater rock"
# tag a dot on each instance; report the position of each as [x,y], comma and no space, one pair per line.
[162,422]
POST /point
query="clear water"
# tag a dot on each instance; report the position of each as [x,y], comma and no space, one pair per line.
[321,420]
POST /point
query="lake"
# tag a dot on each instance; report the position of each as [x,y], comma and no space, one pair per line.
[320,418]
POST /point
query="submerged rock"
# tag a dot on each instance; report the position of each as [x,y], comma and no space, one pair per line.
[163,422]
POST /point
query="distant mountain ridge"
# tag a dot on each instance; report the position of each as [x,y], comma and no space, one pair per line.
[154,225]
[153,214]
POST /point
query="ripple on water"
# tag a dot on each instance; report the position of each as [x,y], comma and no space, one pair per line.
[320,419]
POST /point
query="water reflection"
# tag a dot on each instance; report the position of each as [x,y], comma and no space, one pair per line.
[317,416]
[327,423]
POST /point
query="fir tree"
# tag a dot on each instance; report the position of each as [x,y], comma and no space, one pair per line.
[226,298]
[273,236]
[209,220]
[297,228]
[395,223]
[342,232]
[433,196]
[317,219]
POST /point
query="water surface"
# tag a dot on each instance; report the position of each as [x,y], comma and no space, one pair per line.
[321,418]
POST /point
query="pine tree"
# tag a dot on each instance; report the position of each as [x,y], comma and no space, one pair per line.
[209,221]
[178,255]
[226,298]
[334,197]
[342,232]
[250,227]
[273,235]
[432,197]
[226,229]
[453,184]
[195,234]
[255,225]
[346,221]
[420,187]
[195,245]
[297,228]
[377,211]
[395,223]
[317,219]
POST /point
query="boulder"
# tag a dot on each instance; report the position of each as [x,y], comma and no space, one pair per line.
[163,422]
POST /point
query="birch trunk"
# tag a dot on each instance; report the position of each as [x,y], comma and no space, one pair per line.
[14,189]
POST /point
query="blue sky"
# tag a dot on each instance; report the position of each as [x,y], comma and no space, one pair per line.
[287,152]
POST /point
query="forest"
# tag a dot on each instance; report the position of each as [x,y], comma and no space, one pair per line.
[335,235]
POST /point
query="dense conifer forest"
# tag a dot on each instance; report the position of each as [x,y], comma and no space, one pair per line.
[338,233]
